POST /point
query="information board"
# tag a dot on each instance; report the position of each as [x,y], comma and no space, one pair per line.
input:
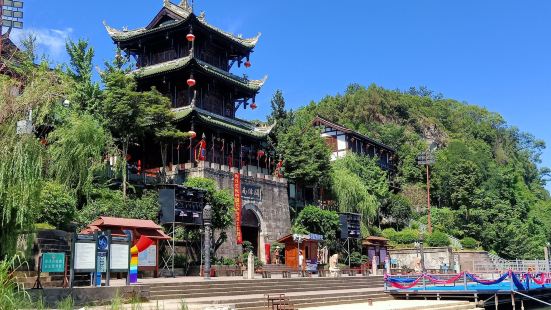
[102,261]
[53,262]
[148,258]
[85,256]
[118,258]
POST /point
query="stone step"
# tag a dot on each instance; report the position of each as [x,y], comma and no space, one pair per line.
[222,285]
[296,281]
[318,301]
[154,295]
[246,291]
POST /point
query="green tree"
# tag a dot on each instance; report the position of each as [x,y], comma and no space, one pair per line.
[314,220]
[86,94]
[103,201]
[22,160]
[305,154]
[222,207]
[77,147]
[130,115]
[57,205]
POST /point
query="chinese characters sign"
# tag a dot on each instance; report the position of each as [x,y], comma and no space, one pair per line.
[251,192]
[53,262]
[237,205]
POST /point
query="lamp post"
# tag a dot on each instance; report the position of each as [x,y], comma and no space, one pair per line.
[207,222]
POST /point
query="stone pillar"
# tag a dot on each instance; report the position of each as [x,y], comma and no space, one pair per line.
[250,266]
[374,266]
[262,236]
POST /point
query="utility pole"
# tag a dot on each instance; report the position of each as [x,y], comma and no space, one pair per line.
[426,159]
[428,200]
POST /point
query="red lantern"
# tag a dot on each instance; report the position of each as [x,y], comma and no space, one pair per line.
[192,133]
[191,82]
[253,105]
[260,154]
[190,37]
[247,64]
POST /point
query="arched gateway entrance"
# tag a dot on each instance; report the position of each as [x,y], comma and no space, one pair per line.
[253,229]
[250,228]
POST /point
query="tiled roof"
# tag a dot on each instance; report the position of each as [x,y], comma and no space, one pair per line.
[232,124]
[180,63]
[125,222]
[184,11]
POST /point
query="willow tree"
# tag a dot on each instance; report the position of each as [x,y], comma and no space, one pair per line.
[76,148]
[22,159]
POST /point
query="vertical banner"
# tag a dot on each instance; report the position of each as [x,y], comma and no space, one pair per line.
[237,205]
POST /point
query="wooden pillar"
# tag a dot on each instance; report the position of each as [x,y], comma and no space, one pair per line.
[191,141]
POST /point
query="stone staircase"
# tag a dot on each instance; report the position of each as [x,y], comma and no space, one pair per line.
[250,294]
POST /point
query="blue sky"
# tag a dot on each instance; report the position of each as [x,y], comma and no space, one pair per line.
[496,54]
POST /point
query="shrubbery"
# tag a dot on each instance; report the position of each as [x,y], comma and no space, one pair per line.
[57,205]
[438,238]
[469,243]
[406,236]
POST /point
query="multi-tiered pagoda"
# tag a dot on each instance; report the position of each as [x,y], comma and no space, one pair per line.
[189,61]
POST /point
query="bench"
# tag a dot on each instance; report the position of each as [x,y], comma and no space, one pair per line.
[279,302]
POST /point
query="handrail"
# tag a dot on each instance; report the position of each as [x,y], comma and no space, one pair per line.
[533,298]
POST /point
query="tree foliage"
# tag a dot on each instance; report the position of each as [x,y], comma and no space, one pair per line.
[486,181]
[317,221]
[222,206]
[86,95]
[305,154]
[57,205]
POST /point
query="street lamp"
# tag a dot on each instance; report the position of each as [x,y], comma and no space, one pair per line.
[207,222]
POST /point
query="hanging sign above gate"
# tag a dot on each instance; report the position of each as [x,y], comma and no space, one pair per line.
[251,192]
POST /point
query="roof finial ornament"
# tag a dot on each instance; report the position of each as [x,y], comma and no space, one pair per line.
[184,4]
[202,16]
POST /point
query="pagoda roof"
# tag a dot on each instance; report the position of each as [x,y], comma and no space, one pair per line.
[184,13]
[232,124]
[181,63]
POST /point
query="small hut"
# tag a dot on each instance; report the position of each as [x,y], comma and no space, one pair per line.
[308,244]
[149,259]
[374,246]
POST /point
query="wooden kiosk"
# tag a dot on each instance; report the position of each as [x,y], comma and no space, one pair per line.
[308,244]
[135,228]
[374,246]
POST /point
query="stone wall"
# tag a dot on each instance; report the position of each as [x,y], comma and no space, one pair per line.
[272,211]
[468,258]
[434,257]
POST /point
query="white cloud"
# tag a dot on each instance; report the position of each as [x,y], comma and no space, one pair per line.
[50,41]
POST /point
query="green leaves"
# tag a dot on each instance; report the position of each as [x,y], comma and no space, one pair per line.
[314,220]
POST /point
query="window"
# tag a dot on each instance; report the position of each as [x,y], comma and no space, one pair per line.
[332,143]
[292,190]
